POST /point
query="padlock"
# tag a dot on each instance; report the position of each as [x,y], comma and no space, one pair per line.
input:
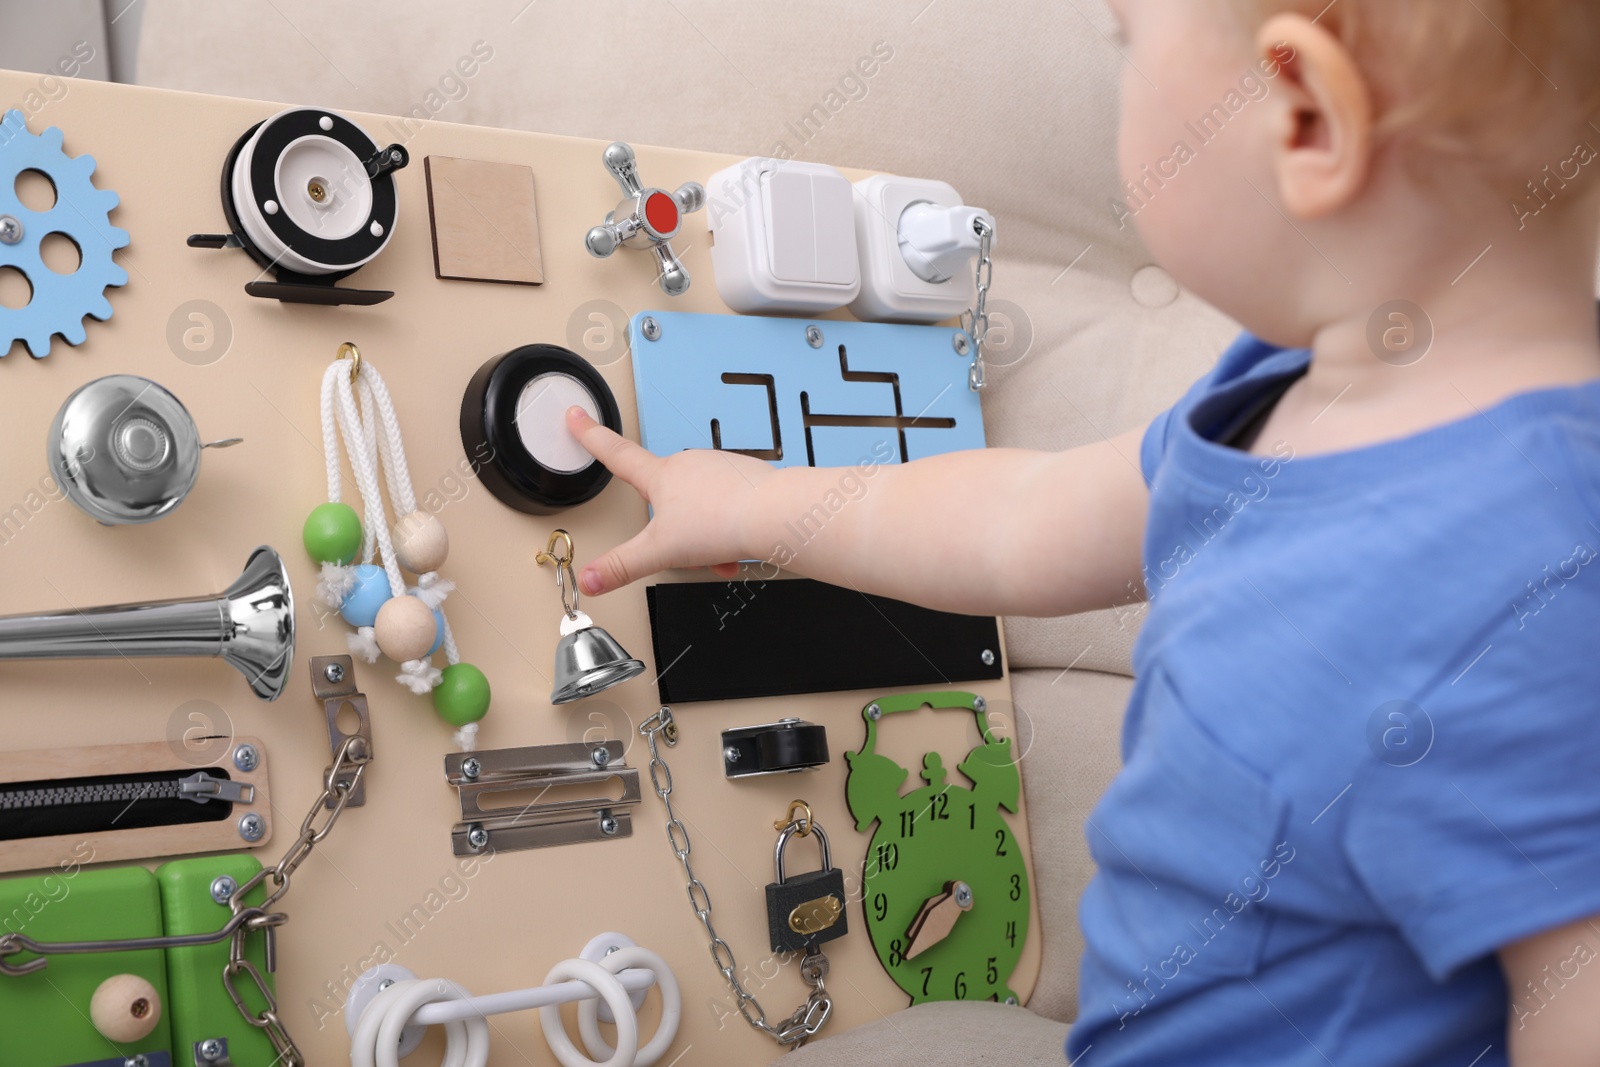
[808,909]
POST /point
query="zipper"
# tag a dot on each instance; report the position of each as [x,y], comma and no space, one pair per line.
[199,787]
[52,808]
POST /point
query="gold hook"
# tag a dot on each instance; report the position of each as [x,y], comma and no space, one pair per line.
[566,580]
[548,555]
[804,829]
[349,351]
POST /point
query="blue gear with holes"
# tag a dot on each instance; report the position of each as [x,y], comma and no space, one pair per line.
[81,213]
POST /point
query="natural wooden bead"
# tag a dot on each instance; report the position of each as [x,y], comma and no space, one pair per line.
[420,542]
[405,628]
[125,1008]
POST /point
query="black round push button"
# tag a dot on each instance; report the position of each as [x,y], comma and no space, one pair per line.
[513,426]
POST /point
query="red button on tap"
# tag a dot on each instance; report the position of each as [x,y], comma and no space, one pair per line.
[661,211]
[646,219]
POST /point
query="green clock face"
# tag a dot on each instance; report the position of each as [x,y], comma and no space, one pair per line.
[945,884]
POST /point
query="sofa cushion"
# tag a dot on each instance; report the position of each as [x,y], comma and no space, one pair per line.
[1069,730]
[971,1034]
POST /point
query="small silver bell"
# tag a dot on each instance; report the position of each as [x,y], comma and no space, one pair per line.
[588,660]
[125,450]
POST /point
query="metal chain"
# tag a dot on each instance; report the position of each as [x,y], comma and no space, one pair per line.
[810,1016]
[976,321]
[335,796]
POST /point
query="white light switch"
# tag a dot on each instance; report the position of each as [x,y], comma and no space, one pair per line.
[784,237]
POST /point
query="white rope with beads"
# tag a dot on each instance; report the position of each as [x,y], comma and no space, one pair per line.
[364,414]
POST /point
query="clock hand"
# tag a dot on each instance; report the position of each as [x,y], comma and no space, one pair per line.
[937,917]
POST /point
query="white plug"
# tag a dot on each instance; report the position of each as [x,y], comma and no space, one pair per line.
[918,244]
[939,242]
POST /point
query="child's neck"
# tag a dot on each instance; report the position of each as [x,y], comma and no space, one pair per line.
[1522,318]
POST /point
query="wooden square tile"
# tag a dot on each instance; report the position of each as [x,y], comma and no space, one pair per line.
[485,221]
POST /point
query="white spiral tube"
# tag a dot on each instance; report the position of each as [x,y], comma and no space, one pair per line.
[671,1007]
[391,1020]
[376,1042]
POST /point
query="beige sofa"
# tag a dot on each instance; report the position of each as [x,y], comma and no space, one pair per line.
[1012,101]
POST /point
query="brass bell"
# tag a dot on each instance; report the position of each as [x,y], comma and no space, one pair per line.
[587,659]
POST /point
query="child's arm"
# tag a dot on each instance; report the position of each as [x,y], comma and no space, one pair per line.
[997,531]
[1558,1024]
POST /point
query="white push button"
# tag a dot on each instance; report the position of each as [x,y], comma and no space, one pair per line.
[542,421]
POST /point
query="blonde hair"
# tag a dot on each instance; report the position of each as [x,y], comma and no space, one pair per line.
[1467,77]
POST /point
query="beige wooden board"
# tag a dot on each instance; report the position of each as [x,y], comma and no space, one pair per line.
[187,753]
[485,220]
[385,883]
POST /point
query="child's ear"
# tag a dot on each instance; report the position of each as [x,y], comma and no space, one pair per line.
[1322,138]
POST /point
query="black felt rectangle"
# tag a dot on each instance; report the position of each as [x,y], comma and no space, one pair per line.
[729,640]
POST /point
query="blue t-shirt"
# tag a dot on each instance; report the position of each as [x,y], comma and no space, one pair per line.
[1363,749]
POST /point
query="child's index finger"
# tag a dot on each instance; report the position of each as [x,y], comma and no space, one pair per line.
[621,456]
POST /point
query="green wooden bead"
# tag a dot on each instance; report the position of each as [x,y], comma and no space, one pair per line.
[332,533]
[462,695]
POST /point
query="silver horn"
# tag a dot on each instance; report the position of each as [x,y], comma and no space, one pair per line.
[251,625]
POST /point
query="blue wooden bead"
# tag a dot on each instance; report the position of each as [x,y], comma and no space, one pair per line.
[360,607]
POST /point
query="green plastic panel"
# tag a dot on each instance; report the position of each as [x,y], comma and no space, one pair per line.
[940,833]
[44,1016]
[198,1003]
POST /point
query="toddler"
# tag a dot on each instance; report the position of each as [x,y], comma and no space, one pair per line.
[1358,821]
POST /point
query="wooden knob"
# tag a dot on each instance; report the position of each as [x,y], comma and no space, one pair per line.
[420,542]
[125,1008]
[406,629]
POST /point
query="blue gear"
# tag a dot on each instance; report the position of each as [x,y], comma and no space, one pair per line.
[82,213]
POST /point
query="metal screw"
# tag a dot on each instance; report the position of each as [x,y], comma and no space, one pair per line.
[138,1059]
[979,704]
[963,344]
[246,758]
[385,984]
[1011,1001]
[608,824]
[601,756]
[470,768]
[650,328]
[988,657]
[10,230]
[252,827]
[210,1050]
[477,838]
[316,191]
[223,888]
[874,712]
[333,672]
[963,895]
[814,336]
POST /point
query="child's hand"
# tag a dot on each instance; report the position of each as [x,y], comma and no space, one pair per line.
[698,498]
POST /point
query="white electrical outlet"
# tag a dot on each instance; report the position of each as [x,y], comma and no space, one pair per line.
[783,237]
[918,250]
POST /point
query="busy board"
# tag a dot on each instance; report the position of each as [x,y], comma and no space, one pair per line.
[243,333]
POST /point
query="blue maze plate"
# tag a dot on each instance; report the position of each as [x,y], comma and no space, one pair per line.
[866,394]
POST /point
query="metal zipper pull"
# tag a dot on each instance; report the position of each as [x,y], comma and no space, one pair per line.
[200,787]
